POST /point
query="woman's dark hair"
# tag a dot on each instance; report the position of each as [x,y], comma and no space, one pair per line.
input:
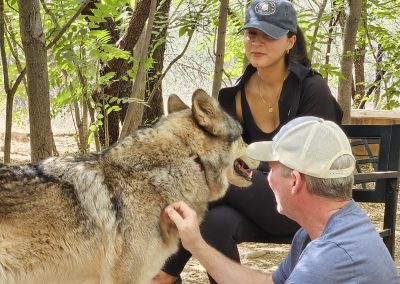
[299,52]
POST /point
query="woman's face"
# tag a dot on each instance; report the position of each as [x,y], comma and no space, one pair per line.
[263,50]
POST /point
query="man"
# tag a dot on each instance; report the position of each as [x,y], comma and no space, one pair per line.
[311,175]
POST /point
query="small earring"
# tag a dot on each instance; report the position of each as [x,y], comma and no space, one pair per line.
[287,51]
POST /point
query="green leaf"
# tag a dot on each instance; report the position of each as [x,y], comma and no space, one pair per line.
[93,127]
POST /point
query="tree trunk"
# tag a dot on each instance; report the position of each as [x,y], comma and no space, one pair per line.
[332,25]
[379,74]
[10,97]
[349,40]
[156,105]
[118,88]
[121,88]
[134,114]
[359,68]
[8,130]
[33,42]
[111,126]
[80,125]
[359,75]
[93,120]
[14,48]
[220,52]
[10,91]
[85,110]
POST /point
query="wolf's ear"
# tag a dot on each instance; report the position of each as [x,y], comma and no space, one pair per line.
[175,104]
[205,110]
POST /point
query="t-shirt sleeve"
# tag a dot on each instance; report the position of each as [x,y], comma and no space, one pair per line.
[317,100]
[285,268]
[280,275]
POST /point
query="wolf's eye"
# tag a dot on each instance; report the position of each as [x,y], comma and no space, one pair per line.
[231,137]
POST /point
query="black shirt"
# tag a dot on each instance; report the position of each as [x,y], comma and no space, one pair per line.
[304,92]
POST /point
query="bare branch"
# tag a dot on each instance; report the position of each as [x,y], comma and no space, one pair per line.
[67,25]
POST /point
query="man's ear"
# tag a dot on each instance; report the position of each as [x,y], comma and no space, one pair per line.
[298,181]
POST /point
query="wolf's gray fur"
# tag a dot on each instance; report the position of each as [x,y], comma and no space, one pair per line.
[96,219]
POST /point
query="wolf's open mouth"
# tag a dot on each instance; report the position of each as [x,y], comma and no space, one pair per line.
[242,169]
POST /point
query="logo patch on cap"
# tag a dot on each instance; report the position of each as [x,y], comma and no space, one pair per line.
[265,8]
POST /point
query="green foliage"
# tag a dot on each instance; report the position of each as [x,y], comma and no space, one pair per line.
[328,69]
[234,49]
[12,32]
[381,31]
[109,9]
[74,61]
[197,16]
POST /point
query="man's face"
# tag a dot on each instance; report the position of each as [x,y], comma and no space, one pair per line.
[281,186]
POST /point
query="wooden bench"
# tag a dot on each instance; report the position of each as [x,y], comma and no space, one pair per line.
[377,177]
[378,172]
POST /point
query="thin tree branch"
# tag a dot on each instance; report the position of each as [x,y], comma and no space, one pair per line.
[320,14]
[12,8]
[52,43]
[53,17]
[68,24]
[3,49]
[159,81]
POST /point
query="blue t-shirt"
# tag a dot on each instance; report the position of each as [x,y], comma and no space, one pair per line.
[349,251]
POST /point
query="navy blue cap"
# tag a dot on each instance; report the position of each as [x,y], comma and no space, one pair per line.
[273,17]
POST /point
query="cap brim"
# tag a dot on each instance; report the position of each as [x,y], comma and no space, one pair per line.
[262,151]
[271,30]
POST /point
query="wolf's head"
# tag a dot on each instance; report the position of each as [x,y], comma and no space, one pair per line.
[215,140]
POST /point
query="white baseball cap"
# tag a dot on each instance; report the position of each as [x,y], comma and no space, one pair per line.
[307,144]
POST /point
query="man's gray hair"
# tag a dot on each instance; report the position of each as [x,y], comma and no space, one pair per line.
[331,188]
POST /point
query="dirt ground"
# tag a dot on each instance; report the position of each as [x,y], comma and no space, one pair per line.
[263,257]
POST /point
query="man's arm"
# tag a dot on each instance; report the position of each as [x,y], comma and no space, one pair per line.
[221,268]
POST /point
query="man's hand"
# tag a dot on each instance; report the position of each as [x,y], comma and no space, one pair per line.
[185,219]
[221,268]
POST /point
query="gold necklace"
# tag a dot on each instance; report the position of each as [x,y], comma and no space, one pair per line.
[270,107]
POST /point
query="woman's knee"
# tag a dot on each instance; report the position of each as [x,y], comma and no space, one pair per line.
[220,223]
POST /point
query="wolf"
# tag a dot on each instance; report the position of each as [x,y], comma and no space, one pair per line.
[98,218]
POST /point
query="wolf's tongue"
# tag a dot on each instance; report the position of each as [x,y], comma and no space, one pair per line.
[242,169]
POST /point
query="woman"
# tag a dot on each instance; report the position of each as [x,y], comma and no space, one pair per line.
[277,86]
